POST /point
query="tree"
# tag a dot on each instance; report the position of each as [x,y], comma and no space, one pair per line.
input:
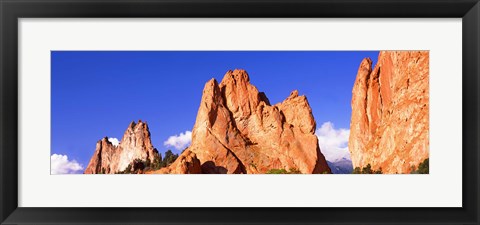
[169,158]
[148,163]
[157,162]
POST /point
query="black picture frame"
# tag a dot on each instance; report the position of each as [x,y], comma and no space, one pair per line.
[12,10]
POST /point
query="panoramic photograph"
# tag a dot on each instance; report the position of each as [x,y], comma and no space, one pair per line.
[239,112]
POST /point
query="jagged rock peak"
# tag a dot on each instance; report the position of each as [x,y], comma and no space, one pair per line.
[132,125]
[366,64]
[293,94]
[237,75]
[211,89]
[210,84]
[105,143]
[238,131]
[140,124]
[139,129]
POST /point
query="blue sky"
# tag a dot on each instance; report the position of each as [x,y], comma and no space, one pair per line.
[98,93]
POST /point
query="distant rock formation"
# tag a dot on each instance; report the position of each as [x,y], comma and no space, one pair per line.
[389,128]
[238,131]
[135,144]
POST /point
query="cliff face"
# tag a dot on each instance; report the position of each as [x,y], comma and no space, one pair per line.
[238,131]
[390,112]
[135,144]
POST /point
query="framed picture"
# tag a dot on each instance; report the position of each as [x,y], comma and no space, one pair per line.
[251,112]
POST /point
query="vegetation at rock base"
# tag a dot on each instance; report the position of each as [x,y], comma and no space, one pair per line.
[127,170]
[366,170]
[140,166]
[423,167]
[283,171]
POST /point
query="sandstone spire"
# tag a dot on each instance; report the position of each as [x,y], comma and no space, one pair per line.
[238,131]
[135,144]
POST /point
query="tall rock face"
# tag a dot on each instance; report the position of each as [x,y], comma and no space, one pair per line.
[135,144]
[238,131]
[389,128]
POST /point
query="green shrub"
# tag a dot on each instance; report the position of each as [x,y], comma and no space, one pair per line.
[366,170]
[423,168]
[283,171]
[127,170]
[357,170]
[277,171]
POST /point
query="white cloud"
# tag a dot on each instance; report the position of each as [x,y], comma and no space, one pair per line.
[180,141]
[333,142]
[61,165]
[114,141]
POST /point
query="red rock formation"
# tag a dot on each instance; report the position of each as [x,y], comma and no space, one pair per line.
[186,163]
[135,144]
[390,110]
[238,131]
